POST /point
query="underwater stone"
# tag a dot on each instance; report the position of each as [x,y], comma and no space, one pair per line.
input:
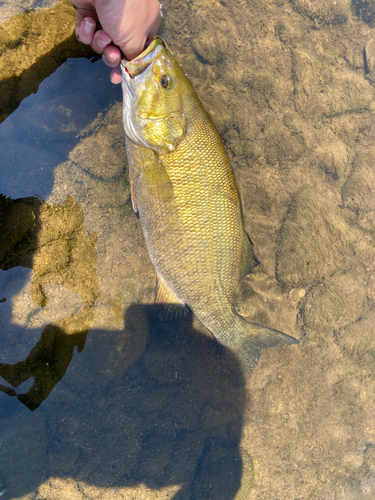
[59,118]
[312,72]
[313,241]
[56,488]
[108,163]
[335,303]
[332,158]
[324,11]
[370,58]
[348,93]
[212,47]
[18,229]
[283,31]
[365,9]
[369,457]
[282,146]
[358,192]
[357,342]
[107,141]
[323,92]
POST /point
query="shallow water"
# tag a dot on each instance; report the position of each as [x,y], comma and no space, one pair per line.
[97,401]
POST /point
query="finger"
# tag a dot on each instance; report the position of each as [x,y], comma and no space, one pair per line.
[112,56]
[100,41]
[86,30]
[116,76]
[134,47]
[136,44]
[80,16]
[79,19]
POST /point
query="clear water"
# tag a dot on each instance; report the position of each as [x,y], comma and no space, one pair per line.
[96,400]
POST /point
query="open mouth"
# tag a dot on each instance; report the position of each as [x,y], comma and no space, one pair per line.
[126,70]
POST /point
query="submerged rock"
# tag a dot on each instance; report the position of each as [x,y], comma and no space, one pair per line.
[321,91]
[282,146]
[211,47]
[358,192]
[365,9]
[348,93]
[333,159]
[108,143]
[357,340]
[335,303]
[284,32]
[313,240]
[370,58]
[324,11]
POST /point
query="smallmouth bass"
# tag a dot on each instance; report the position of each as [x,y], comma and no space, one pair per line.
[183,188]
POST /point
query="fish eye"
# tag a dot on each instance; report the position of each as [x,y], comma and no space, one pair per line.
[164,81]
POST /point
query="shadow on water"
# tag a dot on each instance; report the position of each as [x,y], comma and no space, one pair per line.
[45,128]
[32,46]
[172,412]
[15,88]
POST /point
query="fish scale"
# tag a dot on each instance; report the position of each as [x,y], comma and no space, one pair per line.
[188,202]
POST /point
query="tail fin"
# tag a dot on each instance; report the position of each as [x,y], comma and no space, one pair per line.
[261,337]
[253,338]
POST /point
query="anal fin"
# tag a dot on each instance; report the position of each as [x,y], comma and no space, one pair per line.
[168,307]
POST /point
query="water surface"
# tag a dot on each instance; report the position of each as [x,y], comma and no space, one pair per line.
[96,400]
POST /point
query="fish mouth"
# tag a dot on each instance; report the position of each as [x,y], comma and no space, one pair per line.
[134,76]
[133,72]
[139,65]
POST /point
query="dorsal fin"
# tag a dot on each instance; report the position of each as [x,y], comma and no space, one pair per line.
[249,259]
[168,306]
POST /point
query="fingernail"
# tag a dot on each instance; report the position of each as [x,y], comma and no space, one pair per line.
[89,27]
[111,57]
[101,43]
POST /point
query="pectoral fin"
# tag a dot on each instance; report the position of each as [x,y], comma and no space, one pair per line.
[249,259]
[169,307]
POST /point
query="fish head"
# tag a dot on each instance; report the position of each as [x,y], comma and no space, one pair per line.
[154,86]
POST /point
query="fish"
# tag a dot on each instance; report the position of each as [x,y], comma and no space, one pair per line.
[184,191]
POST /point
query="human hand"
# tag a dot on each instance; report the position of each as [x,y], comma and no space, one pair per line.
[124,26]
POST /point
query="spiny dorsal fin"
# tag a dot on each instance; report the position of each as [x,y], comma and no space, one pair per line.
[249,259]
[168,306]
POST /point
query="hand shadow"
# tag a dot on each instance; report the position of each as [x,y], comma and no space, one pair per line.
[29,239]
[47,363]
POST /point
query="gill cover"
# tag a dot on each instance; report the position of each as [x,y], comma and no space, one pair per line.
[153,88]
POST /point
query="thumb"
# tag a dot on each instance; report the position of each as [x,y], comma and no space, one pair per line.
[136,43]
